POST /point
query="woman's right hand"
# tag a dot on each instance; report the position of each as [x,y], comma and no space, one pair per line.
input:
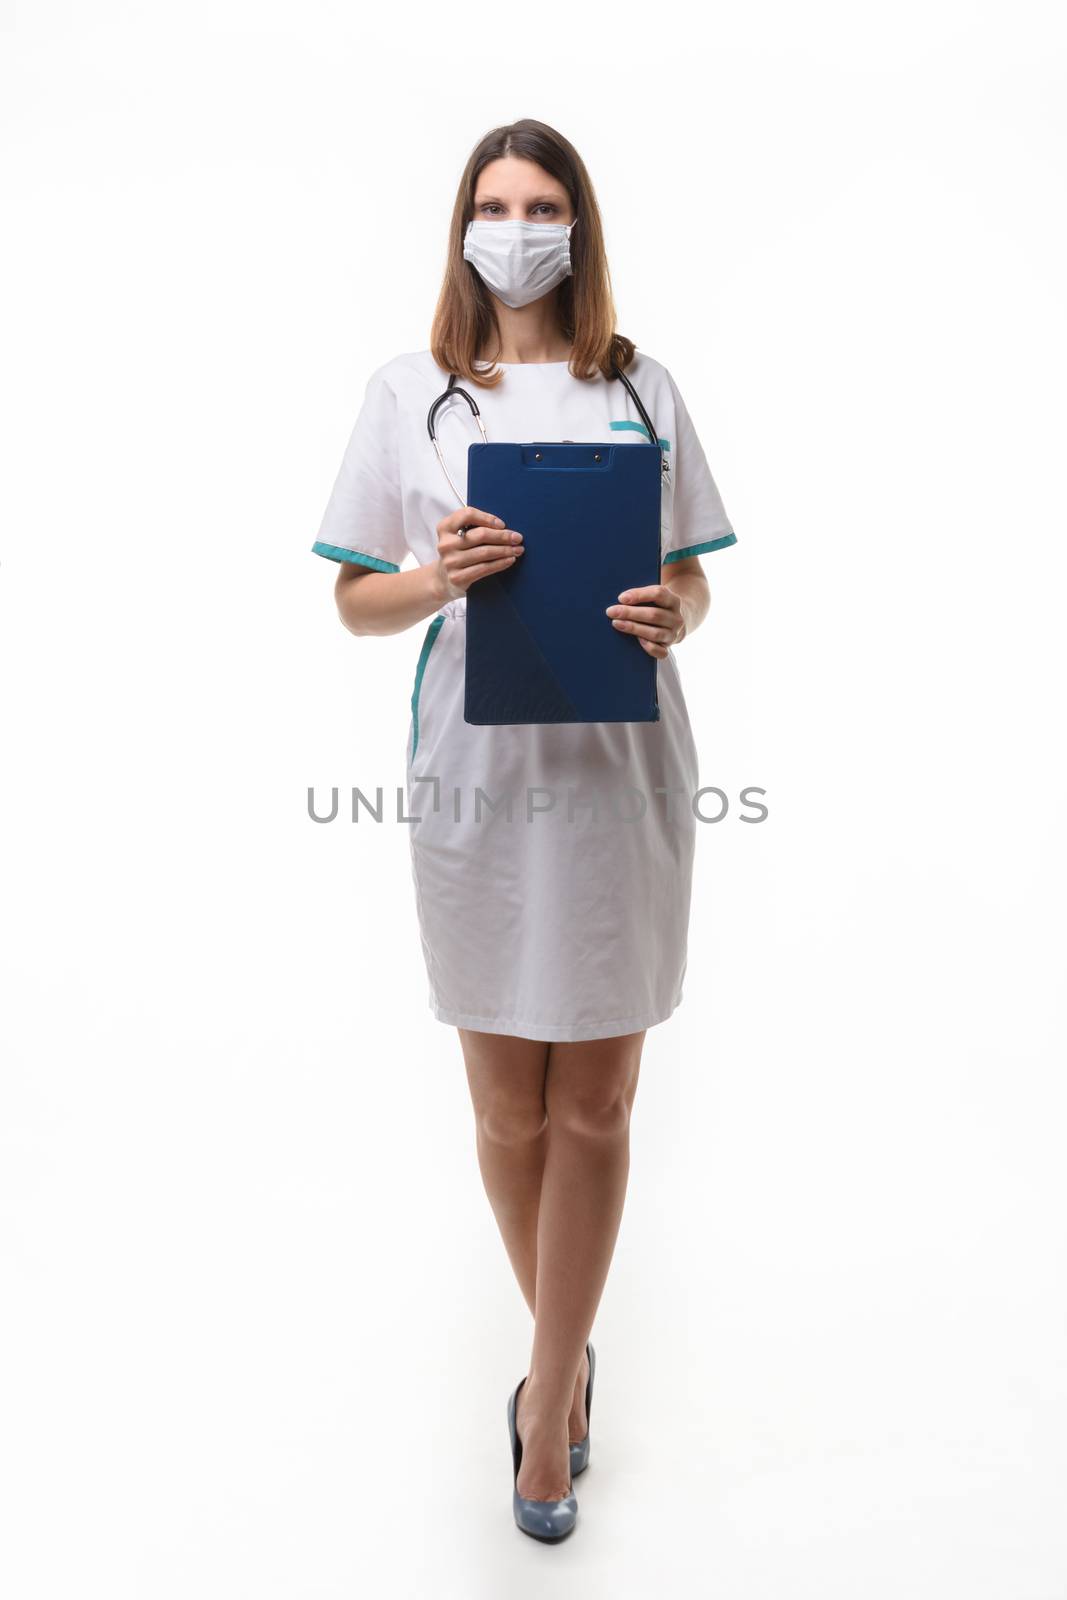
[487,547]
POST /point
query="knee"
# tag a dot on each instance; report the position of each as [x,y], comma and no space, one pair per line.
[592,1112]
[511,1122]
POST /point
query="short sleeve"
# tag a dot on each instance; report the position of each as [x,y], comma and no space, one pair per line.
[694,518]
[364,518]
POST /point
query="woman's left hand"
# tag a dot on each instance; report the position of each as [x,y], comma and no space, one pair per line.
[653,614]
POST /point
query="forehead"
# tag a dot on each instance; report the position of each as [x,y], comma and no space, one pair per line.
[514,175]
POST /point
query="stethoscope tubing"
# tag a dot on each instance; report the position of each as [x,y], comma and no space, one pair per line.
[454,389]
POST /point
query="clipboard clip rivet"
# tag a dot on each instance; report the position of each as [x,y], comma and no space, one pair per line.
[537,455]
[596,455]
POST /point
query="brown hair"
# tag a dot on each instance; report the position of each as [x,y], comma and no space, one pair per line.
[465,320]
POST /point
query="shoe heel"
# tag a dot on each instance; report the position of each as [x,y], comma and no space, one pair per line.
[580,1451]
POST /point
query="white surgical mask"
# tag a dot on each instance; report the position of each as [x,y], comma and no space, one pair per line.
[519,261]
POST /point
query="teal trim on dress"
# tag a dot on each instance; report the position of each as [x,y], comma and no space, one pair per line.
[427,645]
[701,549]
[639,427]
[336,552]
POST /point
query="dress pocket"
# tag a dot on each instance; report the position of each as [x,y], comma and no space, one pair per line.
[424,655]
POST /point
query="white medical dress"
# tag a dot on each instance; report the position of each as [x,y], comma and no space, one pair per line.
[552,862]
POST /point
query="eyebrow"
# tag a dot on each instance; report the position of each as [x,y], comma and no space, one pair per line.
[539,200]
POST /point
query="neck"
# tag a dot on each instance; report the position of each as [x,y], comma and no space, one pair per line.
[530,333]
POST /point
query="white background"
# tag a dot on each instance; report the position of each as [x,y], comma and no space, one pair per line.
[260,1328]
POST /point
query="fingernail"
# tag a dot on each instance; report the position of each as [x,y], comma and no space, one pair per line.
[516,538]
[499,521]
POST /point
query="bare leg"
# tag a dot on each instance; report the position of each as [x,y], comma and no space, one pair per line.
[507,1084]
[589,1094]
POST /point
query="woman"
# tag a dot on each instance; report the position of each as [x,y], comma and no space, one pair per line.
[554,932]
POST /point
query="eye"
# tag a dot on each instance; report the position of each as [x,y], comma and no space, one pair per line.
[545,205]
[489,205]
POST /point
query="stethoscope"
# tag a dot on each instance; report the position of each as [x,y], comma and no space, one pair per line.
[454,389]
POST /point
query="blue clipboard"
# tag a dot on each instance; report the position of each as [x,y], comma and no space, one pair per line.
[539,646]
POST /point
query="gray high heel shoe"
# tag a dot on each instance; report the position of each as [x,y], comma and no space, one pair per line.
[580,1451]
[547,1520]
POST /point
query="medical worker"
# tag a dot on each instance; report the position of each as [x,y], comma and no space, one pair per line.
[554,930]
